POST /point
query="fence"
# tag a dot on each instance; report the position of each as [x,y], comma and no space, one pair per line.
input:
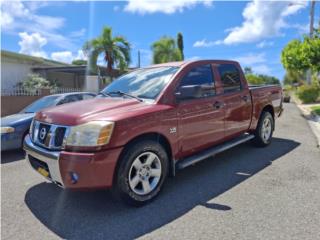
[14,100]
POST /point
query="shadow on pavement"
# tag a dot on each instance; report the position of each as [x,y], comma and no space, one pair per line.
[12,156]
[93,215]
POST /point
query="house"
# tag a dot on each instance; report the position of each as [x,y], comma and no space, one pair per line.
[15,67]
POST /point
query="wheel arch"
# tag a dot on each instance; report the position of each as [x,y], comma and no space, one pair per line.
[158,137]
[268,108]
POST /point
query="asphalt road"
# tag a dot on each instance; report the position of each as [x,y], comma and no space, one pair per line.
[244,193]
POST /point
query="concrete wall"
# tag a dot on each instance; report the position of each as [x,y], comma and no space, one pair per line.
[13,73]
[14,104]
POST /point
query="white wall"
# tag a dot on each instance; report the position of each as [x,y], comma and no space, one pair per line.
[13,72]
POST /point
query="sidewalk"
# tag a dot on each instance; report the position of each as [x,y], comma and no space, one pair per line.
[313,119]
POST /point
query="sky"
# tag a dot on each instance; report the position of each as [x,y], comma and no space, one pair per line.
[251,32]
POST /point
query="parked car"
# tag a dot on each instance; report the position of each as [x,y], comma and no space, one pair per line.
[149,123]
[15,127]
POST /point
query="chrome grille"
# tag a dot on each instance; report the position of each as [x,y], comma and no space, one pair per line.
[50,136]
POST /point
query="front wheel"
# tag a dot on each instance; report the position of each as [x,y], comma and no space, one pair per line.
[142,171]
[264,131]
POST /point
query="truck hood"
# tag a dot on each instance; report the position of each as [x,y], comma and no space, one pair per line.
[110,109]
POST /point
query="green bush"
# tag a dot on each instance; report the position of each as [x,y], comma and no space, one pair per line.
[308,93]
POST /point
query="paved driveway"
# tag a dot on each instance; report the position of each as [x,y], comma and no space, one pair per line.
[244,193]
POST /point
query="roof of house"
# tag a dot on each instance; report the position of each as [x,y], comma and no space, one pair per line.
[36,60]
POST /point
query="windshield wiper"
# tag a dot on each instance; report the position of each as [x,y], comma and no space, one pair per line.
[124,94]
[104,94]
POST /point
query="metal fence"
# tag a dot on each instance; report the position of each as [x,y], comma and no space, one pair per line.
[64,90]
[20,92]
[17,91]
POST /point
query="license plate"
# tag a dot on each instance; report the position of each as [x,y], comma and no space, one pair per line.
[43,172]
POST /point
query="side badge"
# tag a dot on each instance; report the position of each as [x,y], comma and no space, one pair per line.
[173,130]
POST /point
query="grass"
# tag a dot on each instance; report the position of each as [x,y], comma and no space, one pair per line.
[316,110]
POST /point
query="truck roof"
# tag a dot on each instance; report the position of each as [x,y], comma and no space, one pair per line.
[187,62]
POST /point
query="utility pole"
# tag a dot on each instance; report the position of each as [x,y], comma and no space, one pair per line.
[313,3]
[138,58]
[312,6]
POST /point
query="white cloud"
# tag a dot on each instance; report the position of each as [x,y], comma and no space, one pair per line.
[32,44]
[64,56]
[250,59]
[264,44]
[68,56]
[257,62]
[78,33]
[167,7]
[18,16]
[205,43]
[261,69]
[262,19]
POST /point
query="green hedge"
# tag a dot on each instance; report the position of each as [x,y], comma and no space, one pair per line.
[308,94]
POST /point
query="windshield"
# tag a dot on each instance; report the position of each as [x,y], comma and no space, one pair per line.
[143,83]
[40,104]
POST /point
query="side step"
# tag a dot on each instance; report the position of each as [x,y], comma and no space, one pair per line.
[213,151]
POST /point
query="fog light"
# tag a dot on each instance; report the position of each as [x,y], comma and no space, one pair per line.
[74,177]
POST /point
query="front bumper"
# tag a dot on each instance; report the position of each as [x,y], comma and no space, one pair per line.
[10,141]
[93,170]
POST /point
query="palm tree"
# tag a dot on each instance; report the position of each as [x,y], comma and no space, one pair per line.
[165,50]
[116,50]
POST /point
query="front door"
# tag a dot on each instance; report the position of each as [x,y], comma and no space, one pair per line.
[201,119]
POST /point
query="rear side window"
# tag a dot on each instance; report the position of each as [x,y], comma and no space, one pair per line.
[230,77]
[200,75]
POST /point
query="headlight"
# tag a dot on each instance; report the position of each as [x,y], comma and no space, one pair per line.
[7,129]
[95,133]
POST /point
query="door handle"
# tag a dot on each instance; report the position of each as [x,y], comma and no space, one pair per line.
[218,105]
[245,98]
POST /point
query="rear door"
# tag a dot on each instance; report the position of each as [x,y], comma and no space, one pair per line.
[201,120]
[237,99]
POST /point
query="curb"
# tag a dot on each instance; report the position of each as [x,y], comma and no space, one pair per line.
[313,121]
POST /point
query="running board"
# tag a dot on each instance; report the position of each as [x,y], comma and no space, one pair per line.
[213,151]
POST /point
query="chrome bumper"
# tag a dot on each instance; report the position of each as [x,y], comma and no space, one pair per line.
[51,158]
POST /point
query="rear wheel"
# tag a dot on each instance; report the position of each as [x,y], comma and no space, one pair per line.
[264,130]
[142,171]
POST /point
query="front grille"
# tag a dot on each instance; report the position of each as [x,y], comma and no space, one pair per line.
[59,136]
[36,164]
[50,136]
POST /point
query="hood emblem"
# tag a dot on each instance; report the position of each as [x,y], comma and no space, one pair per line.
[43,133]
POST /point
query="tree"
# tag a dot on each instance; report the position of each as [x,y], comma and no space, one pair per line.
[248,70]
[302,55]
[35,81]
[293,77]
[116,50]
[180,44]
[165,50]
[79,62]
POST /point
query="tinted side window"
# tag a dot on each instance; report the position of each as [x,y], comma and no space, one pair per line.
[230,77]
[70,98]
[87,96]
[200,75]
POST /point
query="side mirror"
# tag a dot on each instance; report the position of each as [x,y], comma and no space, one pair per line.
[189,92]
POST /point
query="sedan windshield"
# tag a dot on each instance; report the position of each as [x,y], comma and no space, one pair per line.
[142,83]
[40,104]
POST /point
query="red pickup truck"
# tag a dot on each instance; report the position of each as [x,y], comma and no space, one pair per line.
[149,123]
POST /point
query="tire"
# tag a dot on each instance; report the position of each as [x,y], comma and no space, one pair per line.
[142,171]
[264,130]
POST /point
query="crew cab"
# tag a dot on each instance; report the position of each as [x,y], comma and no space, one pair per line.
[150,123]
